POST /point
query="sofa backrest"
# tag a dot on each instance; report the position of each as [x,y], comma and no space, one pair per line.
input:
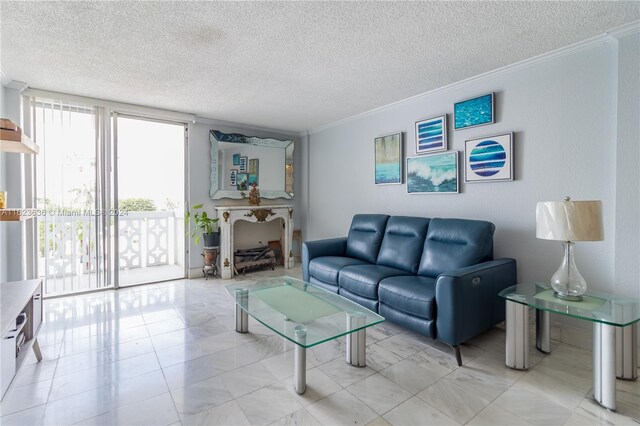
[455,243]
[365,236]
[402,243]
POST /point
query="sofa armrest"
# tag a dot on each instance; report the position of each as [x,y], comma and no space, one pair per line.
[319,248]
[467,299]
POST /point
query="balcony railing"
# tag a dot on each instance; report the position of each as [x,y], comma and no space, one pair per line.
[67,249]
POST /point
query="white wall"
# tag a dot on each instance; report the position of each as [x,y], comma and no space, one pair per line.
[574,135]
[627,250]
[200,167]
[10,172]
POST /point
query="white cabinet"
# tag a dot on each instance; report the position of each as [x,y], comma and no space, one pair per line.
[18,299]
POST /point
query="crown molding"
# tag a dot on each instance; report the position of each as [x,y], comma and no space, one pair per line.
[625,30]
[245,127]
[535,60]
[15,85]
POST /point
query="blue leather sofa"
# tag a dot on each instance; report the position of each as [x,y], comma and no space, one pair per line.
[436,277]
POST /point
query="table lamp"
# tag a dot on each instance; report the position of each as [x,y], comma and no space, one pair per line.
[569,221]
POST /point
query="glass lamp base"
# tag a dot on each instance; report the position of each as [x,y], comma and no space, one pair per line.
[567,297]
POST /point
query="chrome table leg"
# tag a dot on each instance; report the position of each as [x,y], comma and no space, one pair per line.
[242,318]
[357,341]
[627,352]
[604,365]
[517,343]
[542,331]
[300,361]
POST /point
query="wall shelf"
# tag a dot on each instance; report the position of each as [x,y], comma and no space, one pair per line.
[23,146]
[13,215]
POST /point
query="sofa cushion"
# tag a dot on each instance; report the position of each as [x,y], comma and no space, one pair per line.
[363,279]
[365,236]
[455,243]
[326,268]
[412,295]
[371,304]
[403,242]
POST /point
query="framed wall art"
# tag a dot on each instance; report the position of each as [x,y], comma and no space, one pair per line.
[233,177]
[253,166]
[388,159]
[489,159]
[236,159]
[433,173]
[431,134]
[473,112]
[242,181]
[243,165]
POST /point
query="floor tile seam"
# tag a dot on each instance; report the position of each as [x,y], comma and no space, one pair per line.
[510,411]
[104,348]
[499,408]
[373,409]
[26,409]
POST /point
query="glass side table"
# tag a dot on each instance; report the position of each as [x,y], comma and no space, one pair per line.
[615,327]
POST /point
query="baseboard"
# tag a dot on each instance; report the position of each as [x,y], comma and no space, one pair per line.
[196,273]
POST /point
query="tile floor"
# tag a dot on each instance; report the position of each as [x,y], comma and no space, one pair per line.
[167,354]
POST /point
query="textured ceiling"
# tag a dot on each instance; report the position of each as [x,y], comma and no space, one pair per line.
[285,65]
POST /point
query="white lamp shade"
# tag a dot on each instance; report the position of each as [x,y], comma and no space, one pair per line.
[569,220]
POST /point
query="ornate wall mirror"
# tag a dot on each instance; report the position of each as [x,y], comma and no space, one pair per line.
[237,161]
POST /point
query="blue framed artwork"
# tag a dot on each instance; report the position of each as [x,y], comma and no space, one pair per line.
[489,159]
[474,112]
[243,165]
[242,180]
[388,159]
[236,159]
[431,134]
[433,174]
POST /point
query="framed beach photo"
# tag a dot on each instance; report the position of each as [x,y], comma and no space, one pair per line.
[431,135]
[478,111]
[236,159]
[388,159]
[243,165]
[242,181]
[253,166]
[489,159]
[433,173]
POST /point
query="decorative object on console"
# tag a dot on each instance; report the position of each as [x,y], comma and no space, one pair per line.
[569,221]
[243,165]
[473,112]
[388,159]
[435,173]
[489,159]
[431,134]
[254,195]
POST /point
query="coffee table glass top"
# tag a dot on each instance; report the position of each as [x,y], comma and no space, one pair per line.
[596,306]
[287,306]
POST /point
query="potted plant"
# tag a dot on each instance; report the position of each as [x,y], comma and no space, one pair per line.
[204,227]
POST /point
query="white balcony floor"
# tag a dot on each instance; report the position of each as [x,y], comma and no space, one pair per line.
[85,282]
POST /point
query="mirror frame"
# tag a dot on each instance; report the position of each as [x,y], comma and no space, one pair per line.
[216,136]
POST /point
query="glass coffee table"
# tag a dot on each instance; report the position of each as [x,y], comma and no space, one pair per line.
[306,315]
[615,329]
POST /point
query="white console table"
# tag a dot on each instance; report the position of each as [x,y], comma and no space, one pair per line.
[259,214]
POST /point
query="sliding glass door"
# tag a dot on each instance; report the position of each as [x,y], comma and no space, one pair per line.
[110,195]
[150,189]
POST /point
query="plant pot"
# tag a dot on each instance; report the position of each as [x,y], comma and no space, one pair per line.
[211,240]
